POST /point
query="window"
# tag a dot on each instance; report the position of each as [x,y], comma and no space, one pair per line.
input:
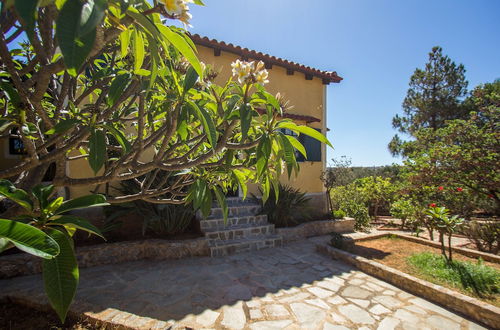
[312,146]
[16,145]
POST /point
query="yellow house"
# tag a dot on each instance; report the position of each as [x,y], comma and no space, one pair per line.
[303,86]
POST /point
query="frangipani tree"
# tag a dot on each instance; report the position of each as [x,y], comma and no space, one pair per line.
[111,82]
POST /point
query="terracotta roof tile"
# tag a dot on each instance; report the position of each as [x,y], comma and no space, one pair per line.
[326,76]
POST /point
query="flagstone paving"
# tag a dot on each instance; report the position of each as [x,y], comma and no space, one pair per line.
[292,287]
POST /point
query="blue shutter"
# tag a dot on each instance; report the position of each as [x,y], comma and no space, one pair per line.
[312,146]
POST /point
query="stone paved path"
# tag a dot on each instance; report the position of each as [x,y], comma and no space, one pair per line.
[283,288]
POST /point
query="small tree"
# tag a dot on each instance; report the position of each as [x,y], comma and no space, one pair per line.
[446,225]
[45,230]
[433,98]
[339,173]
[464,155]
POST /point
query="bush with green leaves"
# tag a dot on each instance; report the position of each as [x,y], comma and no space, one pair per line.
[45,230]
[359,197]
[484,234]
[158,219]
[353,203]
[378,192]
[165,220]
[286,206]
[115,84]
[338,214]
[402,209]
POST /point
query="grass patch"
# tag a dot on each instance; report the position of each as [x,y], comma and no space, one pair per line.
[476,278]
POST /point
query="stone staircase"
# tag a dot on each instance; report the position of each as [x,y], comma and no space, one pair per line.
[243,231]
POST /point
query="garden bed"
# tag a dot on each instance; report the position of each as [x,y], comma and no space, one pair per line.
[17,316]
[395,252]
[478,310]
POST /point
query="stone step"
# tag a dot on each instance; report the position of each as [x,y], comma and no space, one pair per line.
[234,211]
[237,201]
[214,224]
[239,232]
[225,248]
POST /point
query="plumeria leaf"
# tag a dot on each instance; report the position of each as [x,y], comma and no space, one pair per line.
[82,202]
[305,130]
[97,150]
[28,239]
[76,222]
[61,275]
[42,193]
[19,196]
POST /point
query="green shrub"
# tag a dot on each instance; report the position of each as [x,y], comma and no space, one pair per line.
[292,206]
[338,214]
[337,241]
[353,203]
[159,219]
[485,235]
[46,230]
[166,219]
[473,277]
[402,209]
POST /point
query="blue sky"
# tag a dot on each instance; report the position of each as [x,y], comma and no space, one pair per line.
[374,45]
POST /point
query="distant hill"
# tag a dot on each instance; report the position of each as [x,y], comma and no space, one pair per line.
[388,171]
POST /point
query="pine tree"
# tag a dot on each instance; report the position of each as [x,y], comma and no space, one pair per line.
[434,96]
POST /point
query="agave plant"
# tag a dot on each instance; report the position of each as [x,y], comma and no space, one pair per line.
[46,231]
[285,206]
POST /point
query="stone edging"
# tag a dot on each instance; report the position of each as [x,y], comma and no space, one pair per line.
[110,253]
[466,252]
[316,228]
[471,307]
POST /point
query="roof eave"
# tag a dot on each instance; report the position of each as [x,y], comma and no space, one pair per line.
[326,76]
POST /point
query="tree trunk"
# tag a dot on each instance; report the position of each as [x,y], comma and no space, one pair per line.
[443,247]
[375,210]
[449,248]
[329,199]
[431,231]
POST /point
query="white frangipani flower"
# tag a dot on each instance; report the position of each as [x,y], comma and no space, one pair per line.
[250,72]
[205,83]
[261,77]
[178,8]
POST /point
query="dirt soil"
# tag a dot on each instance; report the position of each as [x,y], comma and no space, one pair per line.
[393,252]
[14,316]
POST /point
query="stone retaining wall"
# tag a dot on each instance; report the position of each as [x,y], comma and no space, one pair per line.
[316,228]
[110,253]
[475,309]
